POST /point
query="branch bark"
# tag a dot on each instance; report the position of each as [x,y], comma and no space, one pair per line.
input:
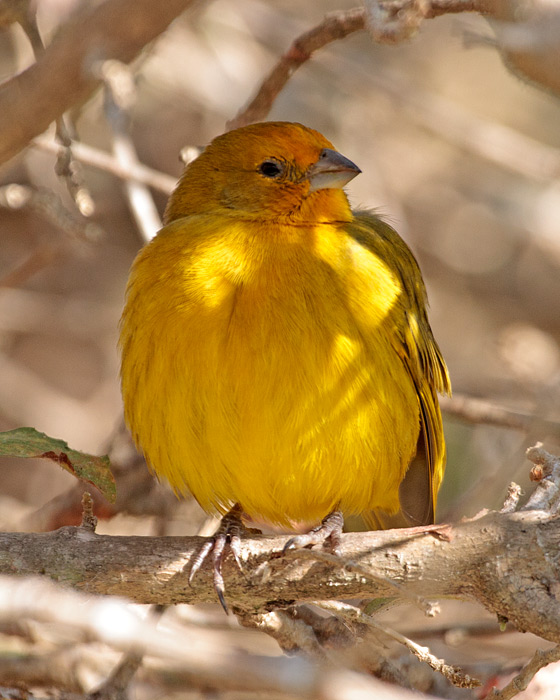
[64,75]
[485,559]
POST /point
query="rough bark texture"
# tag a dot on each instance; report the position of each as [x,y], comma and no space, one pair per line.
[508,562]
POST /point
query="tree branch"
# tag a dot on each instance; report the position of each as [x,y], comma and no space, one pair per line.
[337,25]
[483,559]
[207,659]
[63,74]
[137,172]
[479,411]
[522,680]
[392,21]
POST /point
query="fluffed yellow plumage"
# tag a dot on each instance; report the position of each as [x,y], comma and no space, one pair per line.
[276,352]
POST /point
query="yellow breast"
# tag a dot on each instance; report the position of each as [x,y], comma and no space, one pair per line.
[263,372]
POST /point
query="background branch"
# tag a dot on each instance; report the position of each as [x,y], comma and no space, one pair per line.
[393,21]
[337,25]
[63,76]
[137,172]
[478,411]
[205,658]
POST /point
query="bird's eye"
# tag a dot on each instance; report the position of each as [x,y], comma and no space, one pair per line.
[270,168]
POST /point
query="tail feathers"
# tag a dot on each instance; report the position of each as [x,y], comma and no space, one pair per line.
[415,495]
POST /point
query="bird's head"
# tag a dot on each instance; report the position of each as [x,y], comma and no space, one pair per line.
[271,170]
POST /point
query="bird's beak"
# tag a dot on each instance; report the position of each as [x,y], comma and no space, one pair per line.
[332,170]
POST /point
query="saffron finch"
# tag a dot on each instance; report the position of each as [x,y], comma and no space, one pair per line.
[277,359]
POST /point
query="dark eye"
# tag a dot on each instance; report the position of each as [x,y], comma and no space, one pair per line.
[270,168]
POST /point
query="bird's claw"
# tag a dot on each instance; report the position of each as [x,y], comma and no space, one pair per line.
[228,534]
[329,529]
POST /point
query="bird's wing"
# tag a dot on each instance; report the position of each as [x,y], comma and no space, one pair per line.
[415,344]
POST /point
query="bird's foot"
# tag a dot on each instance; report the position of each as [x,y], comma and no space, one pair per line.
[229,533]
[329,529]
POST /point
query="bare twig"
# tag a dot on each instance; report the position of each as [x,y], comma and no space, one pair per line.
[521,681]
[89,521]
[62,77]
[392,22]
[335,26]
[119,96]
[453,674]
[550,464]
[395,21]
[68,168]
[47,204]
[137,172]
[478,411]
[547,494]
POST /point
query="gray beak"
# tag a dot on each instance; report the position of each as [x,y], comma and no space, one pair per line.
[332,170]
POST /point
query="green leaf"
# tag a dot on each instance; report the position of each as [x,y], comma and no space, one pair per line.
[28,442]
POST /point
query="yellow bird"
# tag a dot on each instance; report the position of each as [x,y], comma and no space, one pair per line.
[277,359]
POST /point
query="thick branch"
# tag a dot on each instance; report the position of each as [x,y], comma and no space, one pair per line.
[63,75]
[483,559]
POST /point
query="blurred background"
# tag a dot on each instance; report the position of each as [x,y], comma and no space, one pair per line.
[456,152]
